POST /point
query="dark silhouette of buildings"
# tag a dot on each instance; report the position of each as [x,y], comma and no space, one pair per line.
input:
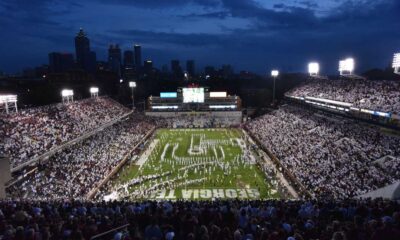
[85,58]
[138,56]
[60,62]
[209,71]
[190,68]
[114,59]
[176,69]
[128,58]
[148,67]
[226,71]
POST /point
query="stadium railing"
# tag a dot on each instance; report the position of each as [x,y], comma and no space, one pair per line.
[99,236]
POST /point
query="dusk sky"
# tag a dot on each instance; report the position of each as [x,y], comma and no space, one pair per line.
[254,35]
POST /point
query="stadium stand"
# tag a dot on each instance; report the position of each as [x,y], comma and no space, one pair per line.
[332,157]
[227,220]
[374,95]
[76,170]
[34,131]
[336,159]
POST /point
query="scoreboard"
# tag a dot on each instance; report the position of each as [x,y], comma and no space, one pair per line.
[193,98]
[193,95]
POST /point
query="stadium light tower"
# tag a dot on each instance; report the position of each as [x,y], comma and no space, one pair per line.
[67,95]
[346,67]
[313,69]
[396,63]
[274,74]
[8,101]
[94,92]
[132,85]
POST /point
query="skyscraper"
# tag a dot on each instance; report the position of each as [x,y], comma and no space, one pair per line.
[138,56]
[148,67]
[128,58]
[190,68]
[114,59]
[209,71]
[60,62]
[226,70]
[176,69]
[91,62]
[84,57]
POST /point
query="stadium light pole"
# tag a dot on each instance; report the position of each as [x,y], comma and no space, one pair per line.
[274,74]
[67,95]
[7,100]
[396,63]
[346,67]
[313,69]
[94,92]
[132,85]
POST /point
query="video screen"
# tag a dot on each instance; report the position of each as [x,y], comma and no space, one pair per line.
[168,95]
[193,95]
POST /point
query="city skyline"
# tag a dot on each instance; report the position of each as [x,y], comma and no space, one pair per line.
[249,35]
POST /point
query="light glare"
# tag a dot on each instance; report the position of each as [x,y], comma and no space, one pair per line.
[274,73]
[67,93]
[8,98]
[313,68]
[94,90]
[346,66]
[396,60]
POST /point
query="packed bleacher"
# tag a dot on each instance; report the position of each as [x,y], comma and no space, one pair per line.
[381,95]
[78,169]
[225,220]
[335,158]
[331,157]
[197,122]
[34,131]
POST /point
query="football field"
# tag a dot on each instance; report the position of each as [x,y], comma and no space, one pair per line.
[194,164]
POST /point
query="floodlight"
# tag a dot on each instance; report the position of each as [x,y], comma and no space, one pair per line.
[396,60]
[94,90]
[67,93]
[313,68]
[274,73]
[132,84]
[346,66]
[396,63]
[8,98]
[121,80]
[8,101]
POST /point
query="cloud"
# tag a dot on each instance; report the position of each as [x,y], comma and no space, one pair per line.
[269,35]
[151,4]
[218,15]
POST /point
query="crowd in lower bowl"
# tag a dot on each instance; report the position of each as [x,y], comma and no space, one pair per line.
[219,220]
[331,156]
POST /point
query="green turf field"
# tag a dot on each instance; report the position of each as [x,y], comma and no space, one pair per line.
[200,164]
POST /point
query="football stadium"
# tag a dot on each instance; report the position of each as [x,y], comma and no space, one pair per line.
[121,149]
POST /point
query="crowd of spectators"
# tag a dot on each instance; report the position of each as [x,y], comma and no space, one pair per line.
[197,121]
[78,169]
[330,156]
[216,220]
[381,95]
[34,131]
